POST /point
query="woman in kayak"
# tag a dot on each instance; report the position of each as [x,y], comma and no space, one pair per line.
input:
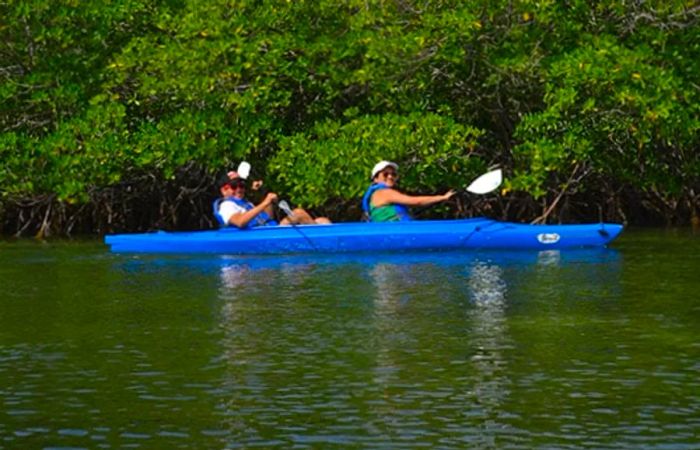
[383,203]
[233,208]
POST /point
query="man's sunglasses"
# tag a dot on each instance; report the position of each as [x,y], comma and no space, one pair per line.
[390,173]
[236,184]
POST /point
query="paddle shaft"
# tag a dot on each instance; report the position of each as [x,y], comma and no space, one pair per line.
[484,184]
[245,168]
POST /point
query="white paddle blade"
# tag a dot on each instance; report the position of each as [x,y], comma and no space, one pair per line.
[243,170]
[284,206]
[486,183]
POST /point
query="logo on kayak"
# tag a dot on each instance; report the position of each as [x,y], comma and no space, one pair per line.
[548,238]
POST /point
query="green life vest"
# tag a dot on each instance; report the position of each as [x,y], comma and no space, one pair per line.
[386,213]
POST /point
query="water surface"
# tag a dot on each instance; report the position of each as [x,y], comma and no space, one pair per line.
[570,349]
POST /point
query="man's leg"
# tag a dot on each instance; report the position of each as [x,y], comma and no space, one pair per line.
[301,217]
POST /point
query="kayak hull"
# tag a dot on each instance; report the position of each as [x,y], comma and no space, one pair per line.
[477,233]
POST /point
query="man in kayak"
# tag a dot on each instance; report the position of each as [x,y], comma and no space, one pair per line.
[383,203]
[233,208]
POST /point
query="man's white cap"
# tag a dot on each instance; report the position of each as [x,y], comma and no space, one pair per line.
[381,165]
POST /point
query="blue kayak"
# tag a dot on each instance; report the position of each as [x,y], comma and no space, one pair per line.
[477,233]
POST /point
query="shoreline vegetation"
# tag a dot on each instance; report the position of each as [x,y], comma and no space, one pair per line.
[119,117]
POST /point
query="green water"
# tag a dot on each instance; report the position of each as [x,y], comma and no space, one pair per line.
[579,349]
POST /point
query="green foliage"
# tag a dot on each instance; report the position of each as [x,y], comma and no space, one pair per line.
[334,160]
[318,91]
[617,111]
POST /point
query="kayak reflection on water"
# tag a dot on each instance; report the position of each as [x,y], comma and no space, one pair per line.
[402,301]
[395,333]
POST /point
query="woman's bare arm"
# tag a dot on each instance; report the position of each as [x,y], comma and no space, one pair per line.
[392,196]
